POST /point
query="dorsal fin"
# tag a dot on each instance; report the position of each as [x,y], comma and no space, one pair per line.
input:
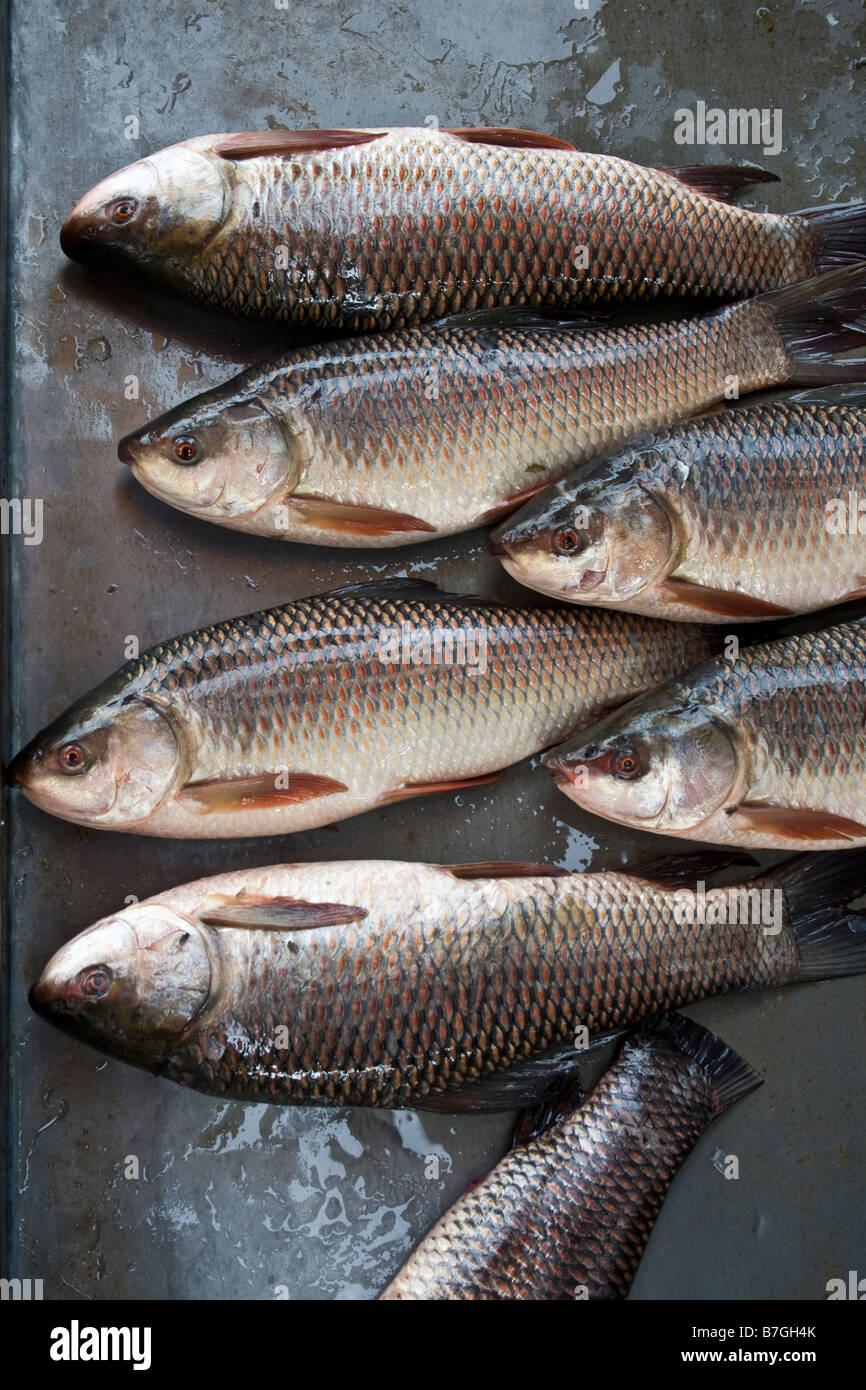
[254,143]
[505,869]
[509,137]
[720,181]
[408,587]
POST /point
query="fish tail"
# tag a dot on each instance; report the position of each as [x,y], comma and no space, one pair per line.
[830,936]
[730,1075]
[817,320]
[841,231]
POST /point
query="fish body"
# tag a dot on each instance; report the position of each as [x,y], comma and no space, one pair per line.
[738,516]
[379,983]
[568,1215]
[764,750]
[302,715]
[423,432]
[371,229]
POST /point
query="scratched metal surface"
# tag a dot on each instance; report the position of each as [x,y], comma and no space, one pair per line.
[260,1202]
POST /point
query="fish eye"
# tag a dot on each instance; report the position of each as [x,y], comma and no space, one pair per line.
[95,982]
[626,764]
[72,757]
[186,449]
[123,211]
[568,541]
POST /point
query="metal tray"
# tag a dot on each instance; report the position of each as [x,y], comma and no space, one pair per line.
[262,1202]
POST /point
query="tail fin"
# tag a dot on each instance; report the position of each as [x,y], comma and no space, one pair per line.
[819,319]
[841,231]
[830,937]
[731,1077]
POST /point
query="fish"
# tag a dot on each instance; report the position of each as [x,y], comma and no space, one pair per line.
[361,230]
[567,1216]
[463,988]
[763,750]
[304,714]
[740,516]
[408,435]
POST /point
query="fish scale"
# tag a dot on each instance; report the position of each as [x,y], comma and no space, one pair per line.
[350,698]
[419,224]
[449,988]
[568,1215]
[798,705]
[743,514]
[564,395]
[759,486]
[764,749]
[435,429]
[444,981]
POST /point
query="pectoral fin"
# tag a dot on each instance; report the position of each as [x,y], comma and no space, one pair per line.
[275,914]
[721,601]
[349,519]
[257,793]
[797,823]
[502,509]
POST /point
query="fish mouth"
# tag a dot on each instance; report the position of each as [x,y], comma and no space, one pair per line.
[124,450]
[83,234]
[45,1000]
[21,764]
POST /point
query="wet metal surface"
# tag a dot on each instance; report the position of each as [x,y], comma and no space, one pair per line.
[262,1202]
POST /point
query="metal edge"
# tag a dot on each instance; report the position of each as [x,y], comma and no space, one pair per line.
[6,1218]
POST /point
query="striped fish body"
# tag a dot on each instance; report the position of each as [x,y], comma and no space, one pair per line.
[378,441]
[568,1215]
[377,229]
[451,978]
[299,716]
[765,750]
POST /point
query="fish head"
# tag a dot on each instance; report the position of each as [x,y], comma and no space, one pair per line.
[599,538]
[160,208]
[658,763]
[107,761]
[216,458]
[130,985]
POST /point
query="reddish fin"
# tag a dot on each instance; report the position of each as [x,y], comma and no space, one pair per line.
[275,914]
[423,788]
[257,793]
[855,593]
[349,519]
[720,181]
[721,601]
[794,823]
[494,869]
[503,508]
[252,144]
[504,135]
